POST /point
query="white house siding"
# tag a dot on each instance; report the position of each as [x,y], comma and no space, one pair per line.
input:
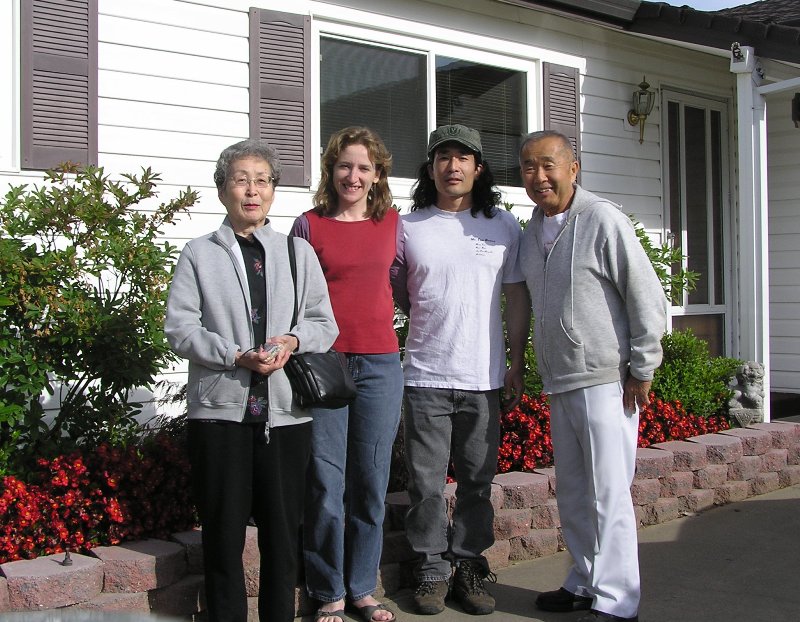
[784,245]
[173,92]
[613,162]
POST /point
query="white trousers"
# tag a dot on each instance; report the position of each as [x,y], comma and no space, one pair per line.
[594,445]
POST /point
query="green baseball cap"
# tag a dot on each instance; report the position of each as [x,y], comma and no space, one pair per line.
[455,133]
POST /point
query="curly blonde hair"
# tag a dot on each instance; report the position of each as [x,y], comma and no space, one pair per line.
[379,199]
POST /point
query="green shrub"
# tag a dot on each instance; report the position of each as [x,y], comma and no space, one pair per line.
[83,278]
[667,260]
[689,375]
[532,379]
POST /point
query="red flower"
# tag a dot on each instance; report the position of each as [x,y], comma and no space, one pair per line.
[96,498]
[525,442]
[525,436]
[662,421]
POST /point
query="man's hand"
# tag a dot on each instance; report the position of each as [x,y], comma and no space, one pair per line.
[518,323]
[513,387]
[635,392]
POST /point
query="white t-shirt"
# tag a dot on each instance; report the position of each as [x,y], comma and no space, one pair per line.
[551,227]
[456,265]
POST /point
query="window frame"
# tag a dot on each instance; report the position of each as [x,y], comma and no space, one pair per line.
[10,98]
[430,48]
[432,39]
[727,309]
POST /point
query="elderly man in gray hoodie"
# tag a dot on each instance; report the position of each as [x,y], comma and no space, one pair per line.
[599,314]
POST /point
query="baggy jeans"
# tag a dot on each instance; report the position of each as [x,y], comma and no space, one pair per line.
[440,423]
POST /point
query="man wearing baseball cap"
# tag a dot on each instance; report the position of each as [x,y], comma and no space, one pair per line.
[458,255]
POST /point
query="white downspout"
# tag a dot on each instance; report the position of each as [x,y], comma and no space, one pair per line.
[753,215]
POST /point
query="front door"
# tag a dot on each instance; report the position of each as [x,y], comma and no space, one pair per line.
[696,199]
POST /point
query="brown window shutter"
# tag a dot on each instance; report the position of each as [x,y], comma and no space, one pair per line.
[280,94]
[562,102]
[59,82]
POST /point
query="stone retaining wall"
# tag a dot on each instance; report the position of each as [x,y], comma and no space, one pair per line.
[165,577]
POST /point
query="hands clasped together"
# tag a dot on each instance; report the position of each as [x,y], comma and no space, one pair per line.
[270,356]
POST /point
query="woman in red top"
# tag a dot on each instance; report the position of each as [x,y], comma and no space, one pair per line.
[354,230]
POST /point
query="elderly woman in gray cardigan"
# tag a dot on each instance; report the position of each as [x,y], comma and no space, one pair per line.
[230,314]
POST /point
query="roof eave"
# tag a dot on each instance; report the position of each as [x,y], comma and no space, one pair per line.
[614,13]
[717,31]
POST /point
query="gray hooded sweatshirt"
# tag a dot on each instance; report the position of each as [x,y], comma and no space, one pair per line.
[208,320]
[599,308]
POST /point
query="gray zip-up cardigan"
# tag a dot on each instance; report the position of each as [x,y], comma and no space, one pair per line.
[208,320]
[599,308]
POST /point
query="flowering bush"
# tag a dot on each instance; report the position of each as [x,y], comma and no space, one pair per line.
[76,502]
[668,421]
[84,270]
[525,442]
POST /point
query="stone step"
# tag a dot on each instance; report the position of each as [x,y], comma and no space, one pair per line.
[141,566]
[46,583]
[165,577]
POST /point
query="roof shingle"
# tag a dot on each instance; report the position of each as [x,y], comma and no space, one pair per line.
[771,27]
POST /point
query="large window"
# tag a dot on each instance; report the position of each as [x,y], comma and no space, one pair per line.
[387,90]
[382,88]
[489,99]
[402,84]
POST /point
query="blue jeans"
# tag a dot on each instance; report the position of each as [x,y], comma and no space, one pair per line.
[438,423]
[351,450]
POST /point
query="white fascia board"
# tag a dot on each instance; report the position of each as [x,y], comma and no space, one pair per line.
[425,28]
[779,87]
[9,77]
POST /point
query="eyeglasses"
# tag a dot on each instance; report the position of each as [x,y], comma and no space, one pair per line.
[259,182]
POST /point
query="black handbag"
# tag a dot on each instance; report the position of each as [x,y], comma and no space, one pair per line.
[319,379]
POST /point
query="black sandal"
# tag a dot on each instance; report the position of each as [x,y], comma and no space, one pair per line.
[321,613]
[368,611]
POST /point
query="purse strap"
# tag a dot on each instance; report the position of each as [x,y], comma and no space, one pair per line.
[293,269]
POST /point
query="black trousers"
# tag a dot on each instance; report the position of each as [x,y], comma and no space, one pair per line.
[236,475]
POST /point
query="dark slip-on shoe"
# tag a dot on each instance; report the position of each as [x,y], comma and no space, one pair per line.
[562,600]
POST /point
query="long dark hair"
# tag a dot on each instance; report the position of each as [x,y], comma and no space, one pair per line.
[485,196]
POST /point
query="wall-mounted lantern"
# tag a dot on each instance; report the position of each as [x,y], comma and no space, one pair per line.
[643,101]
